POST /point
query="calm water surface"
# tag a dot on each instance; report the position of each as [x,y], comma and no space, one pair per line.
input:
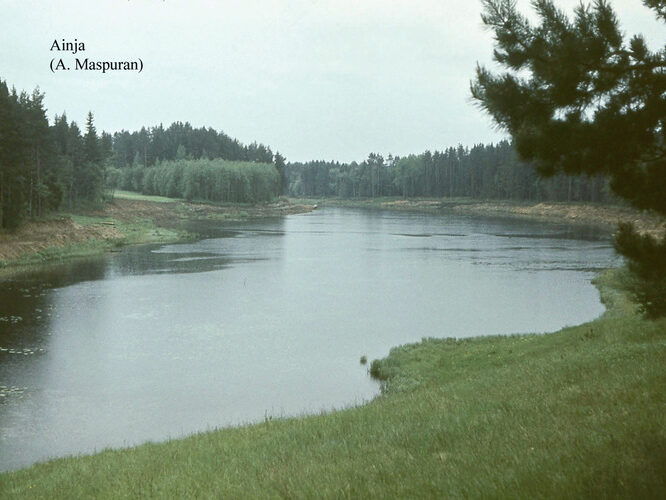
[264,319]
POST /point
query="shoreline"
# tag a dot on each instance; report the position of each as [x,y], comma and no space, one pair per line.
[576,412]
[131,218]
[572,413]
[127,219]
[606,216]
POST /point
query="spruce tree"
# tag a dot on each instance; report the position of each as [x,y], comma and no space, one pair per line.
[279,162]
[91,180]
[91,141]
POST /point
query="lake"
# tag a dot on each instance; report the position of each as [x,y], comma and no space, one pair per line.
[266,319]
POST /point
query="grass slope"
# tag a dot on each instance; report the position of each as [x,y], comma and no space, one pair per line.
[577,413]
[131,195]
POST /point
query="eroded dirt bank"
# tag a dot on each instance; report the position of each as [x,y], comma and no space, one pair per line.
[38,236]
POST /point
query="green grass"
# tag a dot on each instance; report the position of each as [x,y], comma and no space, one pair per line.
[141,231]
[137,231]
[577,413]
[131,195]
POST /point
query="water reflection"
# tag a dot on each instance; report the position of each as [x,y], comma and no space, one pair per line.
[266,317]
[138,261]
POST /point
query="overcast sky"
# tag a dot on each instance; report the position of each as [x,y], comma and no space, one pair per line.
[314,79]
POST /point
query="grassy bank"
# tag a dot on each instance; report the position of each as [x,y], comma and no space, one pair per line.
[68,236]
[128,218]
[577,413]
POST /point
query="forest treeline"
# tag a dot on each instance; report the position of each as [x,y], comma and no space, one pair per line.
[149,146]
[45,167]
[194,163]
[484,171]
[42,166]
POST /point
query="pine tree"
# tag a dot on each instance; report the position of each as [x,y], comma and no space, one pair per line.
[578,98]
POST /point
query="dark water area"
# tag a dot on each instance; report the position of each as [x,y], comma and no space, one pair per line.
[266,318]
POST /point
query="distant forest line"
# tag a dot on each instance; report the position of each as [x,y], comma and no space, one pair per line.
[46,167]
[484,171]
